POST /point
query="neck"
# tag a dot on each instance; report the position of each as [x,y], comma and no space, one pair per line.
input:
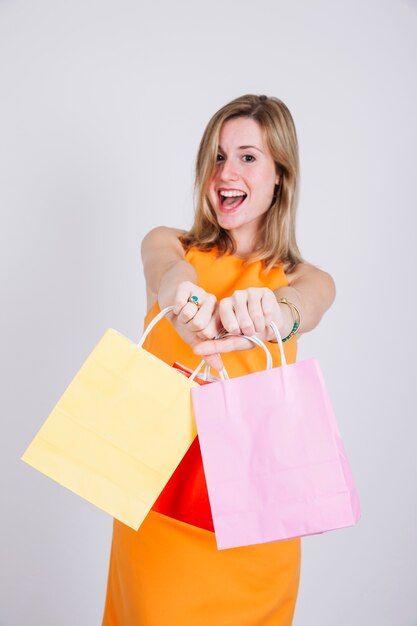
[244,246]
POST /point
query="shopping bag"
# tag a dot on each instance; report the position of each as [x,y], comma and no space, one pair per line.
[119,430]
[185,497]
[273,457]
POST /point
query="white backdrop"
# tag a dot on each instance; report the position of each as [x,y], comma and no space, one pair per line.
[102,107]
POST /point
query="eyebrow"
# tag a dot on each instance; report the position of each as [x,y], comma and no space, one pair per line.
[244,148]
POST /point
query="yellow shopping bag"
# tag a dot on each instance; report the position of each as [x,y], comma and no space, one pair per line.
[119,430]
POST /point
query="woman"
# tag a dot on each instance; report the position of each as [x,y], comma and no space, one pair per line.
[238,268]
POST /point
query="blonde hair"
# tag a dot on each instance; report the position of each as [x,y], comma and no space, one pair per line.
[276,242]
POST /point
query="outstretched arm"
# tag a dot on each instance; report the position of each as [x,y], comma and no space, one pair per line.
[171,280]
[249,311]
[164,265]
[312,291]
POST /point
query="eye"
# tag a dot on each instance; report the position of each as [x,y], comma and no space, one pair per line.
[250,157]
[219,157]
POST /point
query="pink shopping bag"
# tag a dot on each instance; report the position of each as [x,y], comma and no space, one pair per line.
[274,461]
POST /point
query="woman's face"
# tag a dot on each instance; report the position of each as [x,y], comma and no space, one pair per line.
[244,166]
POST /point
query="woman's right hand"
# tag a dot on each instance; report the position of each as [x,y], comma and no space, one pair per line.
[193,323]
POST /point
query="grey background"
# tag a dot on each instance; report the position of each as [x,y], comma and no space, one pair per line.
[102,106]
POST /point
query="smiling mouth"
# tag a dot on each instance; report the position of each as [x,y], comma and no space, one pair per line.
[231,203]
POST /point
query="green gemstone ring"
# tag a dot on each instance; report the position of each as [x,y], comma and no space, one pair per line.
[194,300]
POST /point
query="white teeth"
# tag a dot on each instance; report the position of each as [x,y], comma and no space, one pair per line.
[232,194]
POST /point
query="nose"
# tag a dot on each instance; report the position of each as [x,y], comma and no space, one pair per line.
[229,170]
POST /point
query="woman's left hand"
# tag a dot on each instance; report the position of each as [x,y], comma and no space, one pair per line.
[247,312]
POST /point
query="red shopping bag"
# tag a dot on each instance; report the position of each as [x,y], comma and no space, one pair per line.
[185,497]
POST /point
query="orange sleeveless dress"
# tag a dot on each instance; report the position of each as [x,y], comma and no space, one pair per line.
[169,573]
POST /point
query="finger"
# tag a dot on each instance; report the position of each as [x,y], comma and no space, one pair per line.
[269,305]
[240,307]
[213,327]
[184,291]
[255,310]
[227,316]
[248,310]
[215,362]
[200,314]
[187,313]
[244,320]
[181,297]
[228,344]
[203,317]
[209,332]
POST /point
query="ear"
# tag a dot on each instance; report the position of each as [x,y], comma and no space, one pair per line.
[277,174]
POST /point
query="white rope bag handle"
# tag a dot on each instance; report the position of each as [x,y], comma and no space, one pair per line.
[223,373]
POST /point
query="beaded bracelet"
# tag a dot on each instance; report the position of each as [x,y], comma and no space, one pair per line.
[296,318]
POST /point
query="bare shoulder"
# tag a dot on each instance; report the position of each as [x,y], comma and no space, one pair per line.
[161,238]
[319,280]
[160,250]
[304,270]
